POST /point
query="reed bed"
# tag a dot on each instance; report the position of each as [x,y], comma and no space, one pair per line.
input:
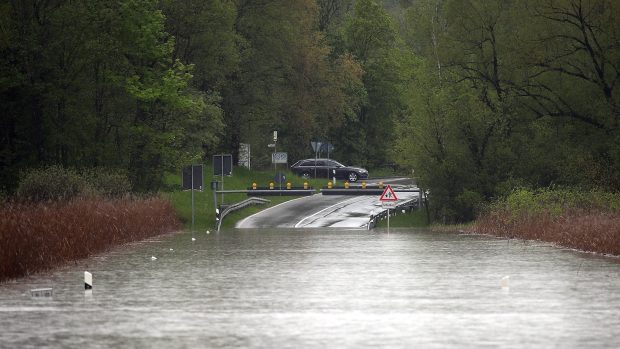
[40,236]
[583,229]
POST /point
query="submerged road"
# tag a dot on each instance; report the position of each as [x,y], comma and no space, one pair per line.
[320,288]
[324,211]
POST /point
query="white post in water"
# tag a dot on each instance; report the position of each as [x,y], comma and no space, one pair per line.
[88,281]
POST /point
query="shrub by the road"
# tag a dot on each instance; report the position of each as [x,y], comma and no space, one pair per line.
[39,236]
[55,183]
[584,220]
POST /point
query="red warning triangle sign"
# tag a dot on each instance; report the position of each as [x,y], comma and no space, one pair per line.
[388,194]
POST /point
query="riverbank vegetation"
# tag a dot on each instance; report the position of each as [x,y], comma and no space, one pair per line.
[44,235]
[59,215]
[583,220]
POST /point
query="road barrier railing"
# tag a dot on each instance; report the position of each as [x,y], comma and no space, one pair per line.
[239,205]
[369,190]
[407,205]
[265,191]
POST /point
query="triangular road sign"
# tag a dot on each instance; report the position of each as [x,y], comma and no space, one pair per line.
[388,194]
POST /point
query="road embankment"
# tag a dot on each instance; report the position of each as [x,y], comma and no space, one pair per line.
[40,236]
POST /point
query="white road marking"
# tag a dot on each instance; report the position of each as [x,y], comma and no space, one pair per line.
[240,223]
[344,203]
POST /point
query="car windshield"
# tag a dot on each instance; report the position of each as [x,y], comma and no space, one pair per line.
[335,164]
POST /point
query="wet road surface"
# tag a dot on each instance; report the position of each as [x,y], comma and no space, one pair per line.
[323,211]
[321,288]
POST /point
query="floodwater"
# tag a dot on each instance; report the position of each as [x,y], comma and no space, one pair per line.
[321,289]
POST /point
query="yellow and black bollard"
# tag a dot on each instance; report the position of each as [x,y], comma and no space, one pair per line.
[305,185]
[346,185]
[363,184]
[329,185]
[271,185]
[254,186]
[288,185]
[380,185]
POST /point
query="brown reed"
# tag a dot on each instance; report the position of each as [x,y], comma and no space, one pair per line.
[592,230]
[40,236]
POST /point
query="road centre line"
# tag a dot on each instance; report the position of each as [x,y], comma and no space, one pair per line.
[240,223]
[325,209]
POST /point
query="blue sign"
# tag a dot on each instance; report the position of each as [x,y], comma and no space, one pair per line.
[280,178]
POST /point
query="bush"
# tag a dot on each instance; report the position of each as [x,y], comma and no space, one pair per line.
[557,201]
[107,183]
[53,183]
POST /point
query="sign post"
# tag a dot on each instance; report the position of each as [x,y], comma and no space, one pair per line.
[388,200]
[316,146]
[275,147]
[192,178]
[222,165]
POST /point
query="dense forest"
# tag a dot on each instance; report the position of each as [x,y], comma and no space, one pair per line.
[476,97]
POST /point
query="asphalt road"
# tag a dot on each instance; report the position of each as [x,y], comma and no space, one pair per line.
[320,211]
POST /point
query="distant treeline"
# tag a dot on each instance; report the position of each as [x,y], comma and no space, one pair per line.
[476,96]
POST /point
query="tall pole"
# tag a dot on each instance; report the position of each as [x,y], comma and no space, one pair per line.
[214,189]
[192,167]
[222,159]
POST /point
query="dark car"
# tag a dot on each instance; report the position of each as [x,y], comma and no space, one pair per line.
[309,168]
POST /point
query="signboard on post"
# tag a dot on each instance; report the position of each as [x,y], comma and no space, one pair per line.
[316,146]
[279,158]
[244,155]
[388,194]
[388,201]
[390,205]
[280,178]
[186,177]
[222,165]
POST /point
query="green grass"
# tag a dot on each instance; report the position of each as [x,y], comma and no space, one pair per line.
[417,218]
[242,178]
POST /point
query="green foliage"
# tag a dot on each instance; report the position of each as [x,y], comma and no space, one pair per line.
[55,183]
[416,218]
[107,183]
[477,97]
[52,183]
[510,94]
[557,201]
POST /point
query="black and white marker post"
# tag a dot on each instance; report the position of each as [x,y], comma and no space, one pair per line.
[88,281]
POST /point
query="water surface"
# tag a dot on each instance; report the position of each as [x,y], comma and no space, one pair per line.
[321,288]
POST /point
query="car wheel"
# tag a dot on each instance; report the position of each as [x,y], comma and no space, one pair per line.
[305,175]
[352,177]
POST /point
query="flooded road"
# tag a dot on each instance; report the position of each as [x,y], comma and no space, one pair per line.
[321,288]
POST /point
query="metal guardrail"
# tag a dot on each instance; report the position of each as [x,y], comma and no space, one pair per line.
[269,192]
[408,204]
[239,205]
[367,191]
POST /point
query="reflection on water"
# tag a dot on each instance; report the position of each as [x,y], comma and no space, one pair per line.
[329,289]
